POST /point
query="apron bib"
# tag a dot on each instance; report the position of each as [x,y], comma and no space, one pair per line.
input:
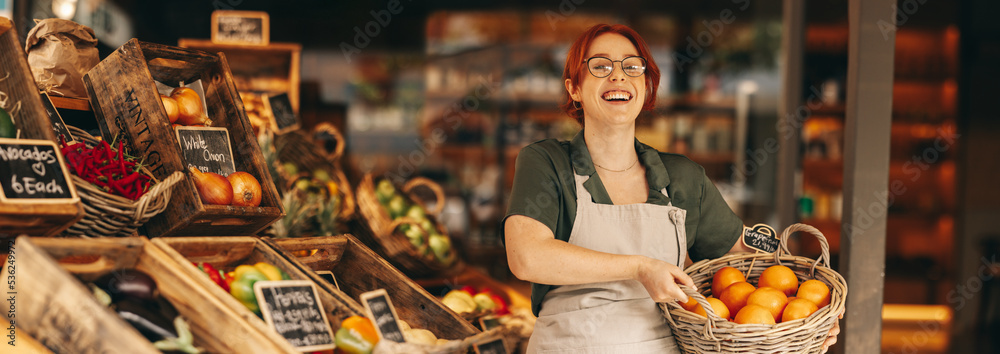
[618,316]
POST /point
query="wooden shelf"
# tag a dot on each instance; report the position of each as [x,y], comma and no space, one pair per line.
[77,104]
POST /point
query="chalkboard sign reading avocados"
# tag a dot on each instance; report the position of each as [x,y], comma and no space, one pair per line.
[383,315]
[31,171]
[241,27]
[281,109]
[493,345]
[207,148]
[761,237]
[58,125]
[293,309]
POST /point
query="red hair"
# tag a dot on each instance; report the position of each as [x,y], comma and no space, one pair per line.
[575,67]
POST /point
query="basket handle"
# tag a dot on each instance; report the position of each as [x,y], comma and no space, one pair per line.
[328,128]
[712,317]
[164,188]
[824,245]
[433,186]
[348,205]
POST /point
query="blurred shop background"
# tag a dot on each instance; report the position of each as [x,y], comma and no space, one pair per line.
[452,90]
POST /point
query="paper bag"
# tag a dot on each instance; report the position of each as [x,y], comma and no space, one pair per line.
[59,53]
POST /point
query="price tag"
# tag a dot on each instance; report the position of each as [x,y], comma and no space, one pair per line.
[761,237]
[383,315]
[241,27]
[207,148]
[328,276]
[32,171]
[292,308]
[58,125]
[494,345]
[285,118]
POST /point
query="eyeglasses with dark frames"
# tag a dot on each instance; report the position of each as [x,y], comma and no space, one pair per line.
[602,67]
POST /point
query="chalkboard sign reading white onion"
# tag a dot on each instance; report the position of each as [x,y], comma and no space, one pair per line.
[32,171]
[292,308]
[380,310]
[207,148]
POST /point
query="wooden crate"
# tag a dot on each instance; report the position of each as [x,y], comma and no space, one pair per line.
[273,69]
[227,252]
[125,101]
[358,270]
[55,307]
[25,105]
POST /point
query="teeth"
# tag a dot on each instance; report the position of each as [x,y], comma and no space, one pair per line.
[617,96]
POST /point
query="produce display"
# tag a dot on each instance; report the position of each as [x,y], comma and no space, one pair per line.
[469,300]
[133,295]
[253,104]
[184,107]
[422,232]
[110,169]
[778,296]
[239,282]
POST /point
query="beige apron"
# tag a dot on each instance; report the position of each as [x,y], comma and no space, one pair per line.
[619,316]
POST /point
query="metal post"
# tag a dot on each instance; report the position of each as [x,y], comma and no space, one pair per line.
[866,170]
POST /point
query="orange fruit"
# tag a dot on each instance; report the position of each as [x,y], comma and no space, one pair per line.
[754,314]
[815,291]
[798,308]
[725,277]
[779,277]
[770,298]
[690,304]
[717,306]
[735,296]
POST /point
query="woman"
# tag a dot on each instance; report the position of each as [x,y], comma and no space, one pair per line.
[601,225]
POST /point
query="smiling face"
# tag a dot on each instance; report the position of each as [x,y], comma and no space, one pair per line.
[617,98]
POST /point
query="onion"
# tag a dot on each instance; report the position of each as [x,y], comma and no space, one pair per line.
[246,189]
[212,187]
[190,107]
[170,105]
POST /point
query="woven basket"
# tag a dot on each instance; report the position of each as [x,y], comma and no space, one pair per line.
[301,150]
[386,239]
[697,334]
[107,214]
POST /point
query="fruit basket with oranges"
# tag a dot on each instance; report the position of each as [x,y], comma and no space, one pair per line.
[759,302]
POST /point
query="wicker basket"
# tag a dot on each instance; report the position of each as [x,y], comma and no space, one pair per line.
[385,238]
[697,334]
[301,150]
[107,214]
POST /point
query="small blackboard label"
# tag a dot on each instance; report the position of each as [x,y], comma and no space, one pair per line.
[383,315]
[31,171]
[285,118]
[329,277]
[493,345]
[761,237]
[241,27]
[58,125]
[292,308]
[207,148]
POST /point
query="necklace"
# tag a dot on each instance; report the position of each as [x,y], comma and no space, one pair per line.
[626,169]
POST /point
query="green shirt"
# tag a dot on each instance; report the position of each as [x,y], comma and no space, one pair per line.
[545,190]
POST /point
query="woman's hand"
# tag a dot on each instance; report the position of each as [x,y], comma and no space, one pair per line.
[661,278]
[831,338]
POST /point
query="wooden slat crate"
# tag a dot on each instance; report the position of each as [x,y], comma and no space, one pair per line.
[56,308]
[272,69]
[358,270]
[24,104]
[227,252]
[125,100]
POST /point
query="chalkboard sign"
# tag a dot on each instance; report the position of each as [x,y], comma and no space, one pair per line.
[241,27]
[31,171]
[207,148]
[383,315]
[58,125]
[494,345]
[281,109]
[328,276]
[292,308]
[761,237]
